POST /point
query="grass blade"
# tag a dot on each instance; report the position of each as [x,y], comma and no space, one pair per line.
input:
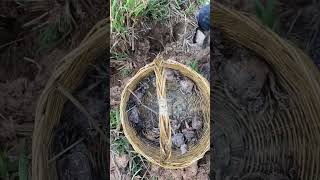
[3,166]
[23,162]
[259,8]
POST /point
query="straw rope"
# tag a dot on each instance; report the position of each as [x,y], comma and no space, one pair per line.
[164,121]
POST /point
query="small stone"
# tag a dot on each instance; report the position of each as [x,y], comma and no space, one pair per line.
[202,174]
[175,124]
[184,148]
[134,115]
[188,134]
[178,139]
[199,37]
[169,75]
[115,92]
[122,160]
[196,123]
[186,86]
[153,81]
[145,85]
[191,171]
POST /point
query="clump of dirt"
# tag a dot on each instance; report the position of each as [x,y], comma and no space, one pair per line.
[183,101]
[247,79]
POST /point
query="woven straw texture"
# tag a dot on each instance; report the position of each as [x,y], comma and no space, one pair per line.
[165,156]
[294,131]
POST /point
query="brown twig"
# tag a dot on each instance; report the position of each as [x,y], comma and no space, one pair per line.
[294,22]
[66,150]
[83,110]
[11,42]
[3,117]
[147,167]
[35,20]
[142,103]
[34,62]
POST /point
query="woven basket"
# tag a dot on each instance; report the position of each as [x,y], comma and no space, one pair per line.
[164,155]
[294,131]
[66,78]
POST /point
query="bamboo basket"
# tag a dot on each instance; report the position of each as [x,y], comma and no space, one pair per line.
[164,155]
[65,78]
[295,131]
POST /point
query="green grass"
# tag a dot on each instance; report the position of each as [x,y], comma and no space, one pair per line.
[154,178]
[114,119]
[125,71]
[119,56]
[124,13]
[4,174]
[267,14]
[17,169]
[203,2]
[194,65]
[23,162]
[121,145]
[158,10]
[136,164]
[49,36]
[191,9]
